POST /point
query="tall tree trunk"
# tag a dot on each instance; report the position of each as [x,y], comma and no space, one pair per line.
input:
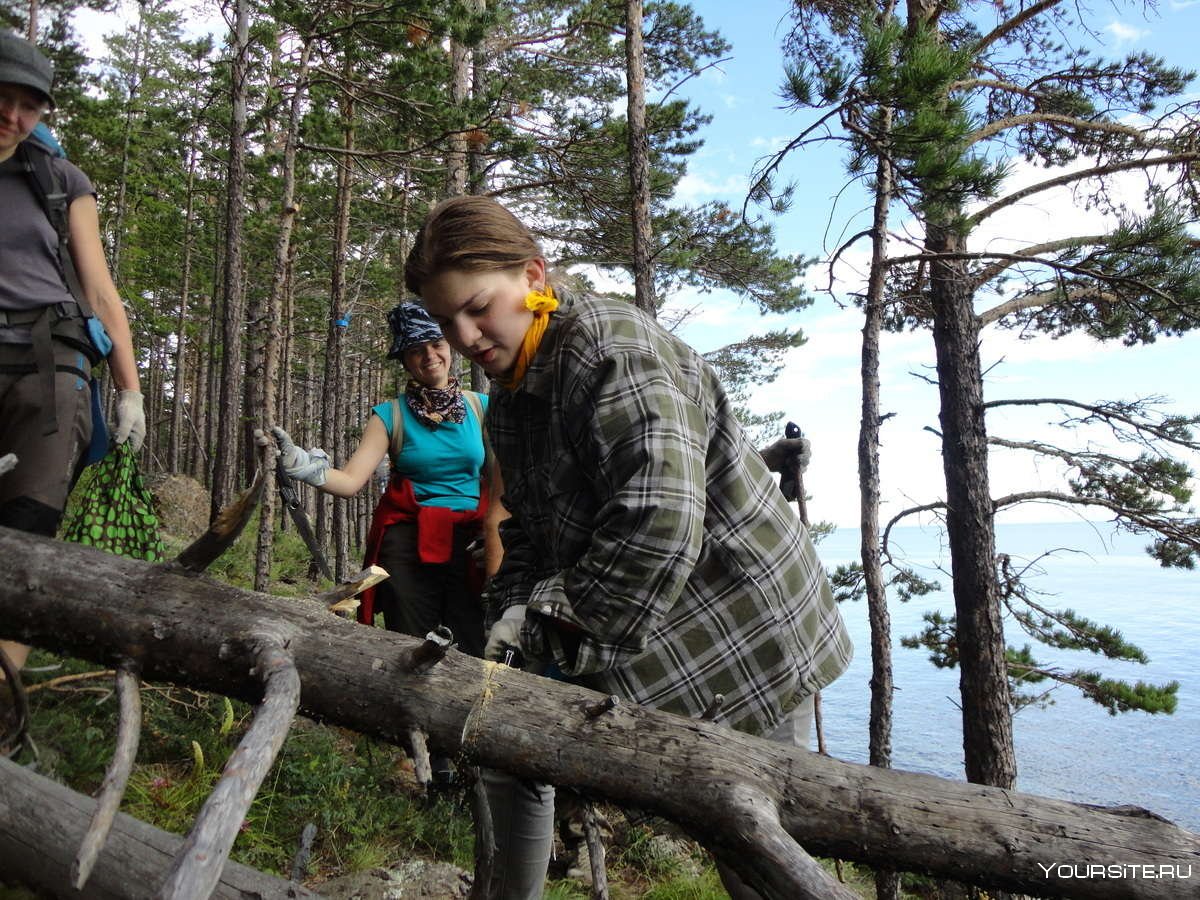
[639,160]
[179,377]
[288,208]
[225,467]
[31,31]
[475,164]
[986,711]
[887,883]
[136,76]
[460,88]
[332,405]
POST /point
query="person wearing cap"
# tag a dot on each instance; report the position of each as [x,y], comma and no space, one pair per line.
[45,401]
[440,496]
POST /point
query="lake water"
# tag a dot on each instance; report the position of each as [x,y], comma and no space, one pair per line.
[1073,749]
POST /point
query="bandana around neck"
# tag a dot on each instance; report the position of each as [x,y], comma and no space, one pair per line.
[541,303]
[433,406]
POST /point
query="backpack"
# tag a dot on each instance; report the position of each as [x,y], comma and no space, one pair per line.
[47,184]
[45,180]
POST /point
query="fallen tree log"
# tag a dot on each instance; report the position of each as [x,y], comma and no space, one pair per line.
[740,796]
[42,823]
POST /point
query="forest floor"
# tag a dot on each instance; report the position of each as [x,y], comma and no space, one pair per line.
[378,834]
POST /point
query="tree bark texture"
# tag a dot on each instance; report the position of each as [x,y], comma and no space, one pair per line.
[983,677]
[42,823]
[738,795]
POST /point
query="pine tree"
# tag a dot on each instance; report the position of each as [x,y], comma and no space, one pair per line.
[966,101]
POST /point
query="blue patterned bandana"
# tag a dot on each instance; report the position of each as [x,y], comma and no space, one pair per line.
[411,325]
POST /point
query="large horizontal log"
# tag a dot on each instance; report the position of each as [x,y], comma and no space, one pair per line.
[726,789]
[42,823]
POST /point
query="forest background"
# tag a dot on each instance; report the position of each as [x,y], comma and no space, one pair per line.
[258,192]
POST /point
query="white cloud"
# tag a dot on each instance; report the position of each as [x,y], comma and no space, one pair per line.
[769,144]
[1124,33]
[696,187]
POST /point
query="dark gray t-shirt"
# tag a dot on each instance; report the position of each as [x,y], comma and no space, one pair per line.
[29,273]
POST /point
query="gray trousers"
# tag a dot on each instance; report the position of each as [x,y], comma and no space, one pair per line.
[523,823]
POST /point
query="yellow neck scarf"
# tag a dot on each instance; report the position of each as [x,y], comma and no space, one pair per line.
[541,304]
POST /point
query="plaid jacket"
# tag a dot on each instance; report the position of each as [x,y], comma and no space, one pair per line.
[656,556]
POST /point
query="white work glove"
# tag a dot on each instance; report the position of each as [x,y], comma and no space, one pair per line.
[505,634]
[131,419]
[309,466]
[787,453]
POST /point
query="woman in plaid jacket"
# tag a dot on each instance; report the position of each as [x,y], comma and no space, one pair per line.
[649,553]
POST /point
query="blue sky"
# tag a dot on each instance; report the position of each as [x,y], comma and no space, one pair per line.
[819,388]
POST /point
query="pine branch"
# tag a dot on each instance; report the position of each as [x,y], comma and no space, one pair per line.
[1172,529]
[1037,118]
[1084,271]
[1178,434]
[1067,243]
[1040,299]
[1082,175]
[1008,27]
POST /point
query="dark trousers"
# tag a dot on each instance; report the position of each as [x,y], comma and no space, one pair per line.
[418,597]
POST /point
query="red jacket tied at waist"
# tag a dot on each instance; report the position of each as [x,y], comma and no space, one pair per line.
[435,531]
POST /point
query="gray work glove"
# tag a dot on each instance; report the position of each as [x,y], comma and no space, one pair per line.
[505,634]
[786,454]
[131,419]
[309,466]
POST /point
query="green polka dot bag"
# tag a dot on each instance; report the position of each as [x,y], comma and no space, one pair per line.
[111,509]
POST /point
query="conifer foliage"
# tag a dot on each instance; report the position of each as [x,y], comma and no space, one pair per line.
[958,98]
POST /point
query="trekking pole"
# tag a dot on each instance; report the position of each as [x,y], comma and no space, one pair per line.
[792,431]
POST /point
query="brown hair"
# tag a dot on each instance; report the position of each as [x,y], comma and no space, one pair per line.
[468,233]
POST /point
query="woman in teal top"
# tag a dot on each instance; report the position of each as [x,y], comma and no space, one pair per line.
[436,503]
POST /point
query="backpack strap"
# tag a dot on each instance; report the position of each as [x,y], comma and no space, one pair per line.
[473,401]
[489,458]
[397,443]
[47,183]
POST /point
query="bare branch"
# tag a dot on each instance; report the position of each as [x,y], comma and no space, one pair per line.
[1107,411]
[1039,299]
[116,776]
[1010,25]
[197,868]
[1067,243]
[993,128]
[1082,175]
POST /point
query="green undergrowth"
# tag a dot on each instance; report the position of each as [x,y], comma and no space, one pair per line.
[358,792]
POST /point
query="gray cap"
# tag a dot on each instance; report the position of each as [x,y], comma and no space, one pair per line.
[22,63]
